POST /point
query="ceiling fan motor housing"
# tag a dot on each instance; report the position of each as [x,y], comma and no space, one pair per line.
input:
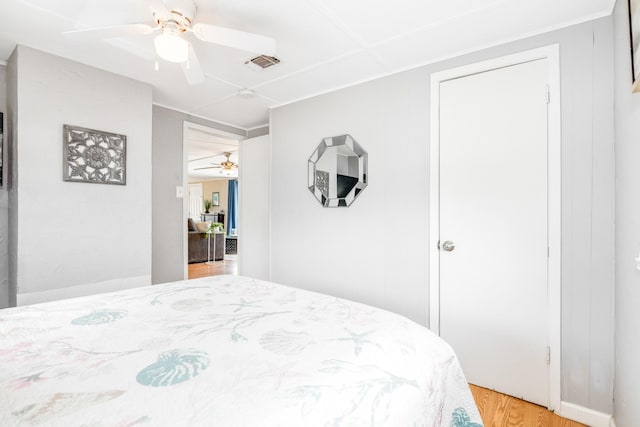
[181,12]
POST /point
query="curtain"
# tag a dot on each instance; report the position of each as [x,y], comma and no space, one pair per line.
[232,211]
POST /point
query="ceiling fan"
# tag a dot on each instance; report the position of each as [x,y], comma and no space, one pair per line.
[174,20]
[227,165]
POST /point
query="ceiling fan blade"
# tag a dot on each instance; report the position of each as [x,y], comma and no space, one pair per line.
[192,69]
[210,156]
[64,10]
[159,8]
[237,39]
[208,167]
[110,32]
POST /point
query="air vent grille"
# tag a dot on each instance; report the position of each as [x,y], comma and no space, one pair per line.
[261,62]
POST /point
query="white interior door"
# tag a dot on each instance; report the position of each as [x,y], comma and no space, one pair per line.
[195,201]
[493,208]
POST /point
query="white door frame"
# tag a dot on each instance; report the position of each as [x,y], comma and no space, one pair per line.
[552,54]
[185,184]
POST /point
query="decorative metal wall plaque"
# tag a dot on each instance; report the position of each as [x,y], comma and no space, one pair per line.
[94,156]
[338,171]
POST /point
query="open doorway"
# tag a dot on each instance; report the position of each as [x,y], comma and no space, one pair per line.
[211,205]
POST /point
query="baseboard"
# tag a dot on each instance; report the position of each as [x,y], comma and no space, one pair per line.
[27,298]
[585,415]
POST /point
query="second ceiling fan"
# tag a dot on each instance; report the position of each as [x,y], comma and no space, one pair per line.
[227,165]
[174,20]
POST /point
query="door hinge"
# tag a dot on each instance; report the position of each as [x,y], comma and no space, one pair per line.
[438,244]
[548,252]
[548,350]
[547,94]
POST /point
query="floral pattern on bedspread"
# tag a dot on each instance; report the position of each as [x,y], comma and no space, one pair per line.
[225,351]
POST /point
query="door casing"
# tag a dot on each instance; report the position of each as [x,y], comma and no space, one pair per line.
[552,54]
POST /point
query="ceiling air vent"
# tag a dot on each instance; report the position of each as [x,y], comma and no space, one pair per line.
[261,62]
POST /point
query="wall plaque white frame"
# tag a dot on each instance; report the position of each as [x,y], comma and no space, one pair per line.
[634,36]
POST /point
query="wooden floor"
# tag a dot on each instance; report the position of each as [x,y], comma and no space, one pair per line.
[228,266]
[498,410]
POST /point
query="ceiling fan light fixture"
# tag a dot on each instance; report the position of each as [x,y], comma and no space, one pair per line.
[172,47]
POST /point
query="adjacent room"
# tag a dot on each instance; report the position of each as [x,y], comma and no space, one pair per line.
[319,212]
[212,171]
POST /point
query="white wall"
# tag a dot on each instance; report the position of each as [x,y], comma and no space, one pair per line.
[376,251]
[254,199]
[220,186]
[78,237]
[4,202]
[627,123]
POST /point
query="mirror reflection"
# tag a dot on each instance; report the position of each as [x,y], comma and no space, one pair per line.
[338,171]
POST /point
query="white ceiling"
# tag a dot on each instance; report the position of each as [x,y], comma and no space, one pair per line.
[323,44]
[205,148]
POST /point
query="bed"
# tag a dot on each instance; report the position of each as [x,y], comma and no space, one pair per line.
[224,351]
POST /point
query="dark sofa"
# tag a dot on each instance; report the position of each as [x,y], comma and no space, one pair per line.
[198,246]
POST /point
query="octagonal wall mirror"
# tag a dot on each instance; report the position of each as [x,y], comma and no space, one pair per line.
[338,171]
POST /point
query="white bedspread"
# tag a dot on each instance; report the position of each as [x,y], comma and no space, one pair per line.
[224,351]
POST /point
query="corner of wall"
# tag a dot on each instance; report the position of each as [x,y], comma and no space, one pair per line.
[11,174]
[4,203]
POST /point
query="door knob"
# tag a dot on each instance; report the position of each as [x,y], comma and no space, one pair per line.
[448,246]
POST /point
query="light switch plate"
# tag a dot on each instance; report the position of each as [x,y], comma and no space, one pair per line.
[179,192]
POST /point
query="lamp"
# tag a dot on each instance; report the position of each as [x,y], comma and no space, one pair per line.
[171,47]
